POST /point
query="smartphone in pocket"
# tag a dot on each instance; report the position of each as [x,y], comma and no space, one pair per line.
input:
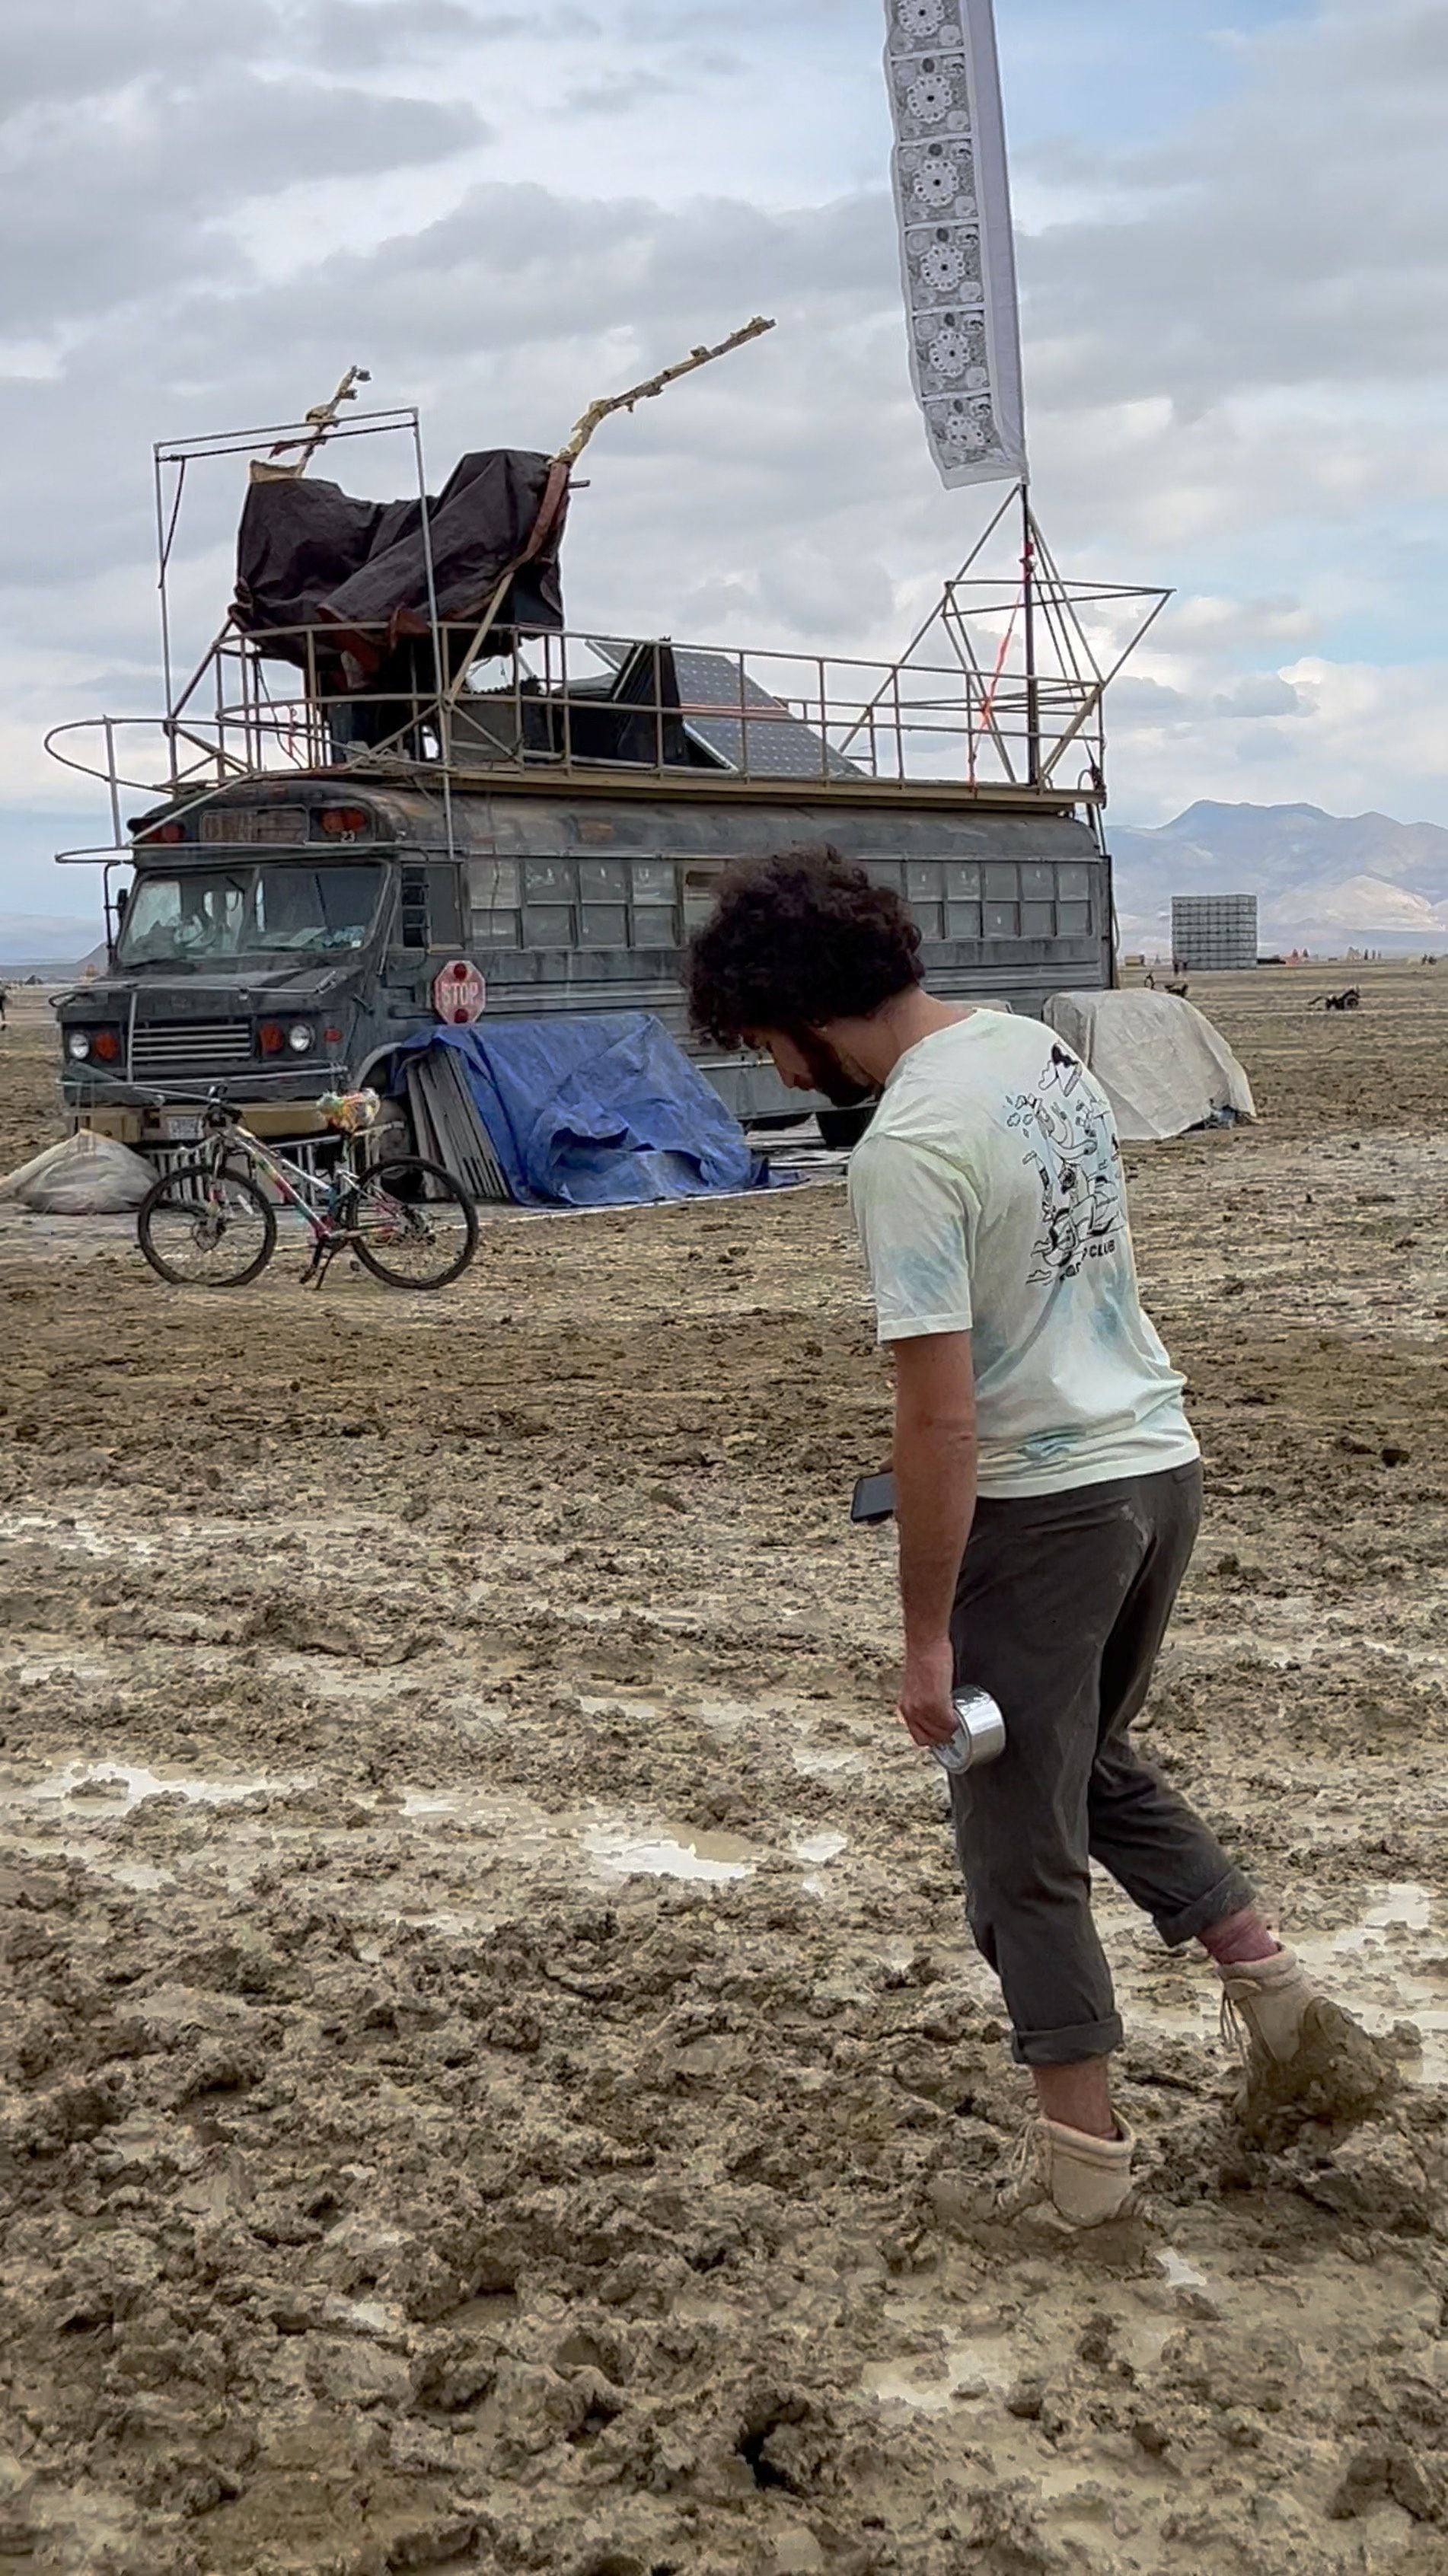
[874,1502]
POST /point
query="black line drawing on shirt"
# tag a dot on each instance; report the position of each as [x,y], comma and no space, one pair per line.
[1071,1149]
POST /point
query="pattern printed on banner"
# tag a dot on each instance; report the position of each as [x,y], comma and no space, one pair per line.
[957,249]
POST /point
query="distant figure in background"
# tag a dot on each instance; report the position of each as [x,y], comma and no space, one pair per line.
[4,998]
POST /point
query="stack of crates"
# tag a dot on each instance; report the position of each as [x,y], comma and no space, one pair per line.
[1214,934]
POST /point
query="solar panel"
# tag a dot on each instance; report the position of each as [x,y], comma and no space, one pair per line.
[738,723]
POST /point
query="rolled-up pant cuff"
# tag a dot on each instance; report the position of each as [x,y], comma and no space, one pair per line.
[1229,1896]
[1067,2047]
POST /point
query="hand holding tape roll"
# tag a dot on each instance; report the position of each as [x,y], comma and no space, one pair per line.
[979,1738]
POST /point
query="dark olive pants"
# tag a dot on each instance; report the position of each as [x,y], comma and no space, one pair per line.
[1060,1613]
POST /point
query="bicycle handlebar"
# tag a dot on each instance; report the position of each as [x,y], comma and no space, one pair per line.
[216,1100]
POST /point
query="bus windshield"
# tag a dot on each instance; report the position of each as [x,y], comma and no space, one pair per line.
[218,916]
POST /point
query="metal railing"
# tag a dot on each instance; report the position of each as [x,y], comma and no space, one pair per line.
[963,707]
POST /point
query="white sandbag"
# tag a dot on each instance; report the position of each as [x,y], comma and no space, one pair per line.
[1161,1064]
[86,1175]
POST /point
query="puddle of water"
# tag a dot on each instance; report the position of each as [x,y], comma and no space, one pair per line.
[79,1532]
[817,1764]
[819,1848]
[62,1660]
[1143,2345]
[617,1848]
[1179,2274]
[52,1845]
[963,2367]
[724,1716]
[78,1802]
[1370,1968]
[709,1858]
[458,1923]
[331,1676]
[113,1788]
[1405,1905]
[139,1876]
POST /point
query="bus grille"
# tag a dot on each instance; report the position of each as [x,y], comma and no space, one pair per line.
[163,1048]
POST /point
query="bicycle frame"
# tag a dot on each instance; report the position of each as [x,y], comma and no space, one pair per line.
[296,1188]
[291,1181]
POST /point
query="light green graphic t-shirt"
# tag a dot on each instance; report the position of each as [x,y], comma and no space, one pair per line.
[989,1199]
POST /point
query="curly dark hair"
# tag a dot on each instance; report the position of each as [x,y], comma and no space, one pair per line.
[795,941]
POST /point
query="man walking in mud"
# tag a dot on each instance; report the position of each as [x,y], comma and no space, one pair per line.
[1048,1488]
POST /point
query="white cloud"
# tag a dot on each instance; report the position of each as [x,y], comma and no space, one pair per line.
[1351,730]
[1234,338]
[1261,693]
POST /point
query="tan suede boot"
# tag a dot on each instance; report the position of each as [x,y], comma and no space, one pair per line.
[1264,2001]
[1083,2181]
[1304,2055]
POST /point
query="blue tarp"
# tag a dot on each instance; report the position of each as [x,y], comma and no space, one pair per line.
[602,1110]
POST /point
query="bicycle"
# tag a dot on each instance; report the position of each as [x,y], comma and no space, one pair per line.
[208,1222]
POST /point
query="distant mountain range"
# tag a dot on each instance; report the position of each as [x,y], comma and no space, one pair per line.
[33,941]
[1325,881]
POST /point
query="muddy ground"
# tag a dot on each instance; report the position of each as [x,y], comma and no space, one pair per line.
[494,2076]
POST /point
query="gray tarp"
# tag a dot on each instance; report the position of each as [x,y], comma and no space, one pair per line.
[86,1175]
[1162,1065]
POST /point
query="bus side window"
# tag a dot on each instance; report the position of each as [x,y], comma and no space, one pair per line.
[430,914]
[701,893]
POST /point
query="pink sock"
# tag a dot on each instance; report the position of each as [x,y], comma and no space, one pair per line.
[1239,1939]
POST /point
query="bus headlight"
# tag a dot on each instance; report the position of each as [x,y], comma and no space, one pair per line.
[301,1037]
[78,1046]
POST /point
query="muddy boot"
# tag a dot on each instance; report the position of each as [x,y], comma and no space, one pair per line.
[1304,2058]
[1071,2179]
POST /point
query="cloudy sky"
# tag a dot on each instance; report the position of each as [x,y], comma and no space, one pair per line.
[1234,243]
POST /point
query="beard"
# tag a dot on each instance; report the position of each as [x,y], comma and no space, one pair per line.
[826,1071]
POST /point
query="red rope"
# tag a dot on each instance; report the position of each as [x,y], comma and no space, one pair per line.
[995,677]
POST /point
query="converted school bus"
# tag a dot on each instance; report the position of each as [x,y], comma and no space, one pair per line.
[348,803]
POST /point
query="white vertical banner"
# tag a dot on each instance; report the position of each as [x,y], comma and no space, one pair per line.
[952,190]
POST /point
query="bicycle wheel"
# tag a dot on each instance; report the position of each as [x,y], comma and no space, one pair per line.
[201,1228]
[412,1224]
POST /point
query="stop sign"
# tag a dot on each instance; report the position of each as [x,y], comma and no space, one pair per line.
[459,993]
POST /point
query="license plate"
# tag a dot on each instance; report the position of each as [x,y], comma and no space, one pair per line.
[181,1130]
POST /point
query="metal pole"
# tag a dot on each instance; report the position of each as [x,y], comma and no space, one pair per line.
[115,794]
[1033,689]
[444,710]
[1113,926]
[321,751]
[161,560]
